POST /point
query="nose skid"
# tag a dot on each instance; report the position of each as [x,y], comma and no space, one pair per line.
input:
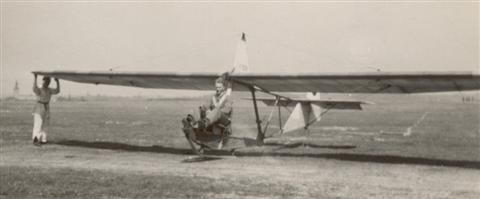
[190,135]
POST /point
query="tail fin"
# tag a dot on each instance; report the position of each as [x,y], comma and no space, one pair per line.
[240,64]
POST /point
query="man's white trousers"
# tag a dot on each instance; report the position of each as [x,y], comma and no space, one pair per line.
[40,127]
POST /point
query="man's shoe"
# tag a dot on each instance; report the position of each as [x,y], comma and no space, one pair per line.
[36,142]
[42,143]
[203,112]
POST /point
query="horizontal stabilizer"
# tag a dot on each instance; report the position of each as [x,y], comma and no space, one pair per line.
[326,104]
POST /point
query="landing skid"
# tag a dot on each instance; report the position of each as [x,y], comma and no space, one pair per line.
[199,152]
[200,159]
[189,134]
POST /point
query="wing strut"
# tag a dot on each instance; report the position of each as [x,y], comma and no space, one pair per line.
[260,134]
[280,119]
[270,116]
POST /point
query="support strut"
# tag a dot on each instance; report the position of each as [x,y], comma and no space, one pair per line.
[260,134]
[280,120]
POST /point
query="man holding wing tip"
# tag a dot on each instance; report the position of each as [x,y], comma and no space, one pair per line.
[41,111]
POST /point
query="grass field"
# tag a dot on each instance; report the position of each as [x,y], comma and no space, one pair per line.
[407,146]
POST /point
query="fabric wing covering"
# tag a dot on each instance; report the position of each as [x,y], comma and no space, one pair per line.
[378,82]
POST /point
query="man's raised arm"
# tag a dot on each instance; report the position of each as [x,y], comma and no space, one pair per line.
[227,94]
[35,87]
[57,90]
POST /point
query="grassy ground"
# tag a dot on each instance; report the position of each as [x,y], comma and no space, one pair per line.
[420,146]
[27,182]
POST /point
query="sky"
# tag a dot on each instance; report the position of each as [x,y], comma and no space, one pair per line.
[283,37]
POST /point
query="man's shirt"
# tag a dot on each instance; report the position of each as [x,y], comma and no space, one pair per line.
[44,94]
[224,105]
[43,98]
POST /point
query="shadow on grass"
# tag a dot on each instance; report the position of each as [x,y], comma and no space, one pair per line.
[200,159]
[384,159]
[295,145]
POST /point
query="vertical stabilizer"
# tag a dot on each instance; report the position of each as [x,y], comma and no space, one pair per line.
[240,64]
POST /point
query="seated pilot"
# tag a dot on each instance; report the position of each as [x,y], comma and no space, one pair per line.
[219,108]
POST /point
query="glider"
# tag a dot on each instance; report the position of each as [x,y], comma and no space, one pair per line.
[305,111]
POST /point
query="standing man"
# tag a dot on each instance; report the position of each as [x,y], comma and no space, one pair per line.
[41,111]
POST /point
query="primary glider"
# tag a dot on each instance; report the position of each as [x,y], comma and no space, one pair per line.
[306,110]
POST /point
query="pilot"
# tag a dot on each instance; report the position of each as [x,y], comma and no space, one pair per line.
[41,111]
[220,107]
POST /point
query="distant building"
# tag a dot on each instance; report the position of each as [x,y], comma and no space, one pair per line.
[16,91]
[467,99]
[17,96]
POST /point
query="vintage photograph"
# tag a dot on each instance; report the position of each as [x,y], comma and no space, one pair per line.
[239,99]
